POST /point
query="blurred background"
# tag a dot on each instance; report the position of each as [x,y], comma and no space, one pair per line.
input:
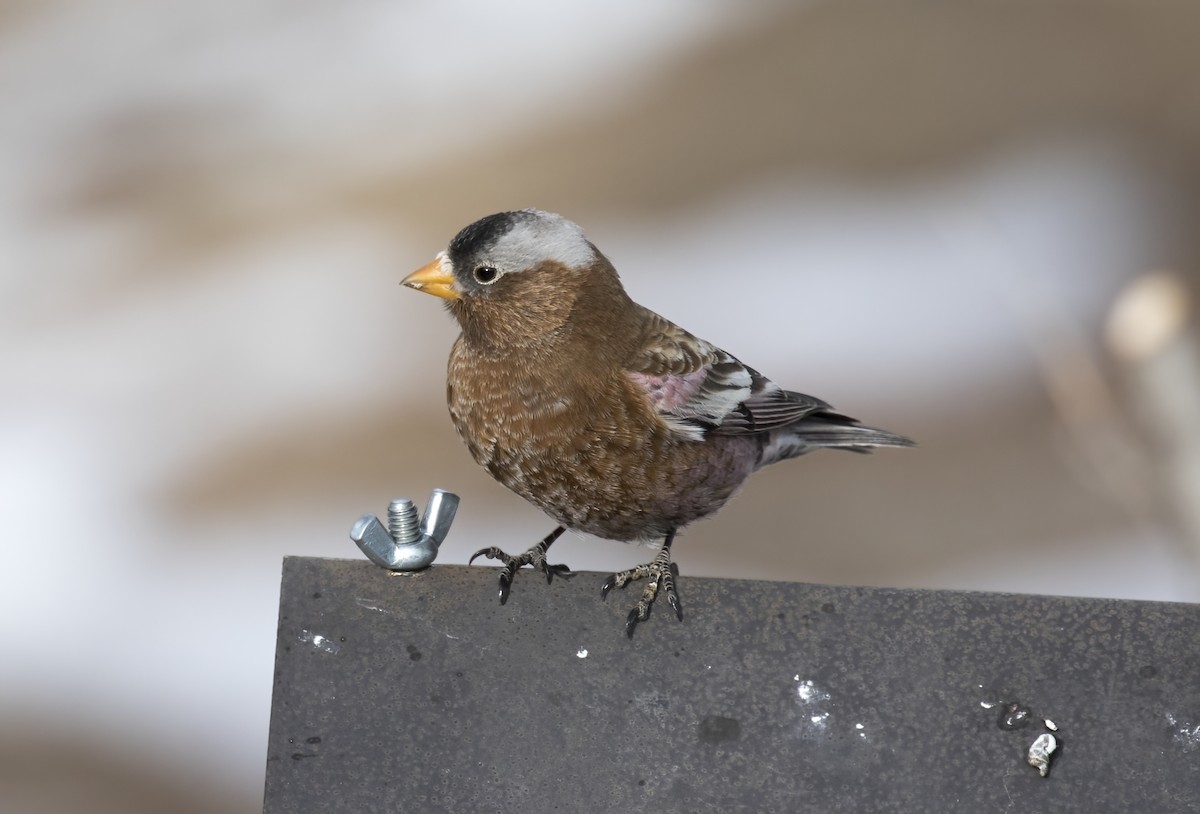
[972,223]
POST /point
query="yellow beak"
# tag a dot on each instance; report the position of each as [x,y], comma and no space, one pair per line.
[433,279]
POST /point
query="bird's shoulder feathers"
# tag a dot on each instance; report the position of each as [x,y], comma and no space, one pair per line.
[697,388]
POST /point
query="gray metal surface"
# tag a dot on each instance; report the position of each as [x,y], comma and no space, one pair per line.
[421,693]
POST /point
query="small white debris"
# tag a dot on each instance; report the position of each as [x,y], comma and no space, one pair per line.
[819,719]
[858,726]
[320,642]
[1053,727]
[987,704]
[1187,734]
[582,653]
[370,604]
[809,692]
[1040,751]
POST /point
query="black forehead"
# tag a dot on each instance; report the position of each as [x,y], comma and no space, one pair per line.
[481,234]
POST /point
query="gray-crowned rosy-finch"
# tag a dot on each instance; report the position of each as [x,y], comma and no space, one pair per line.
[609,418]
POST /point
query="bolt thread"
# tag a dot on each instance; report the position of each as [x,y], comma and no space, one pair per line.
[403,523]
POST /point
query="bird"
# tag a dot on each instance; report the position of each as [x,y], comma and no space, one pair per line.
[608,417]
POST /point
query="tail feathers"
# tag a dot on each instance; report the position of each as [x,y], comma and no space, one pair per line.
[828,434]
[828,430]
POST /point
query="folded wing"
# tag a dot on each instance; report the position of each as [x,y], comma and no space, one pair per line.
[699,389]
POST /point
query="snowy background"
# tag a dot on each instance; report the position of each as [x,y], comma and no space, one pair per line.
[971,223]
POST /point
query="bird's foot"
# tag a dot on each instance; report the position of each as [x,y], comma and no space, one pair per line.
[535,556]
[661,572]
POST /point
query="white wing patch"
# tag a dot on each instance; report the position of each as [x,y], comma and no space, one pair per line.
[691,404]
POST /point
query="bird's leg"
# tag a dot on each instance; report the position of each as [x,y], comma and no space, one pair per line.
[662,572]
[535,556]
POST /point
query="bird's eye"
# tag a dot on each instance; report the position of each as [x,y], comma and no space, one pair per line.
[486,274]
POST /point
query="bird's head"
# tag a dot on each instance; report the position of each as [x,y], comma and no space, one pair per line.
[514,278]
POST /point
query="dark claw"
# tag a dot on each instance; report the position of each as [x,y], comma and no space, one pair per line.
[631,622]
[608,585]
[559,570]
[674,569]
[535,557]
[673,601]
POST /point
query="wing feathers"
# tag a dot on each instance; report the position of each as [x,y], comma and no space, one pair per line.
[698,388]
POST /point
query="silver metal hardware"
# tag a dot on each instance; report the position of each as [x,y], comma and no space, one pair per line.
[406,544]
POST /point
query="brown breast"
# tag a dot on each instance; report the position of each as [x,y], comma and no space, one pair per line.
[586,448]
